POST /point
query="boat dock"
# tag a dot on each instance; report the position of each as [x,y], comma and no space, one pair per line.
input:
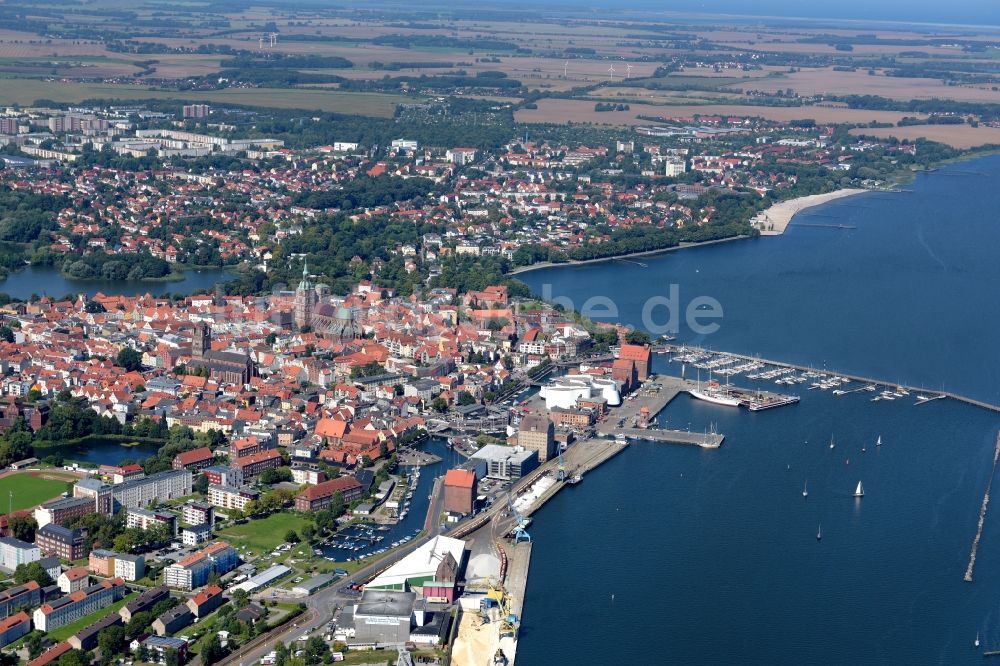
[929,394]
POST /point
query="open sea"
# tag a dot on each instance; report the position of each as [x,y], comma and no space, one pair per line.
[676,555]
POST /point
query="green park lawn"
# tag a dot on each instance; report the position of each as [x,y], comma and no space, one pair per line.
[264,534]
[28,490]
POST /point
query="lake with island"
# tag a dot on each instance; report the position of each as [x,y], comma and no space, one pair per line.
[677,555]
[50,281]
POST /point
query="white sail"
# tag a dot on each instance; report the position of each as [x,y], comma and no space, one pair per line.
[859,491]
[878,442]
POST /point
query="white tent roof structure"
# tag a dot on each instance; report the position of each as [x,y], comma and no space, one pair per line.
[420,565]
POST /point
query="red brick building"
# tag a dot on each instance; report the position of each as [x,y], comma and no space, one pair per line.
[641,355]
[194,460]
[318,497]
[255,463]
[459,490]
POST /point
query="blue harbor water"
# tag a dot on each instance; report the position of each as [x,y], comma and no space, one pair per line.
[711,555]
[49,281]
[356,542]
[909,295]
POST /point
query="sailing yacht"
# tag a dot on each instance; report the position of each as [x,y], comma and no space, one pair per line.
[831,441]
[977,640]
[878,442]
[859,491]
[819,532]
[805,489]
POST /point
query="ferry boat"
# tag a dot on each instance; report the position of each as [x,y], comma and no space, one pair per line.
[714,393]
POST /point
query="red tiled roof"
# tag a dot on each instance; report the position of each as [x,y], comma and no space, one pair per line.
[460,478]
[339,485]
[258,457]
[195,456]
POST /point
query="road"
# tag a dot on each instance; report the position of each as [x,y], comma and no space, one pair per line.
[321,606]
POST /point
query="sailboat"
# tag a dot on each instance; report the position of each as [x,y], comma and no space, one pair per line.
[805,489]
[878,442]
[819,532]
[977,640]
[831,441]
[859,491]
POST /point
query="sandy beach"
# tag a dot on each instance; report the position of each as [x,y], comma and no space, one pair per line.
[774,220]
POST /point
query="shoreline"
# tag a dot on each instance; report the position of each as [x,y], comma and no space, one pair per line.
[774,220]
[645,253]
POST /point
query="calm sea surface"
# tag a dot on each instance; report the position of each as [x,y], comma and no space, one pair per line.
[675,555]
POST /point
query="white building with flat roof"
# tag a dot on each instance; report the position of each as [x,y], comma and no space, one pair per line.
[566,391]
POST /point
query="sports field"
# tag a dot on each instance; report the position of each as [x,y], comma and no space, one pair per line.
[28,490]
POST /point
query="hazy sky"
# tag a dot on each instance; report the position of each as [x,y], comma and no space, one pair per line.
[974,12]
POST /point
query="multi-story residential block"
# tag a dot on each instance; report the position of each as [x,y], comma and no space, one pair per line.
[102,562]
[308,475]
[196,534]
[255,463]
[144,602]
[205,601]
[173,620]
[228,497]
[195,459]
[73,579]
[63,510]
[144,519]
[63,542]
[14,552]
[64,610]
[135,493]
[224,476]
[14,627]
[199,513]
[193,570]
[20,597]
[319,496]
[130,567]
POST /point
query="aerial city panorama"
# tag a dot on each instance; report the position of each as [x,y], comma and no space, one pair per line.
[480,333]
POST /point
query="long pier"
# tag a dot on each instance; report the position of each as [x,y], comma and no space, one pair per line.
[858,378]
[706,440]
[982,513]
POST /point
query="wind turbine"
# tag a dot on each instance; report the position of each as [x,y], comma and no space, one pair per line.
[565,68]
[274,38]
[628,71]
[611,71]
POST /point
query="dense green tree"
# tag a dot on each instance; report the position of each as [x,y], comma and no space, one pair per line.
[129,359]
[112,642]
[32,571]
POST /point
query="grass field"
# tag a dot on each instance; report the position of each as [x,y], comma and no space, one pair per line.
[28,490]
[264,534]
[63,633]
[26,91]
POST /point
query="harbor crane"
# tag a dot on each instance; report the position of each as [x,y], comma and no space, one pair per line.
[520,523]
